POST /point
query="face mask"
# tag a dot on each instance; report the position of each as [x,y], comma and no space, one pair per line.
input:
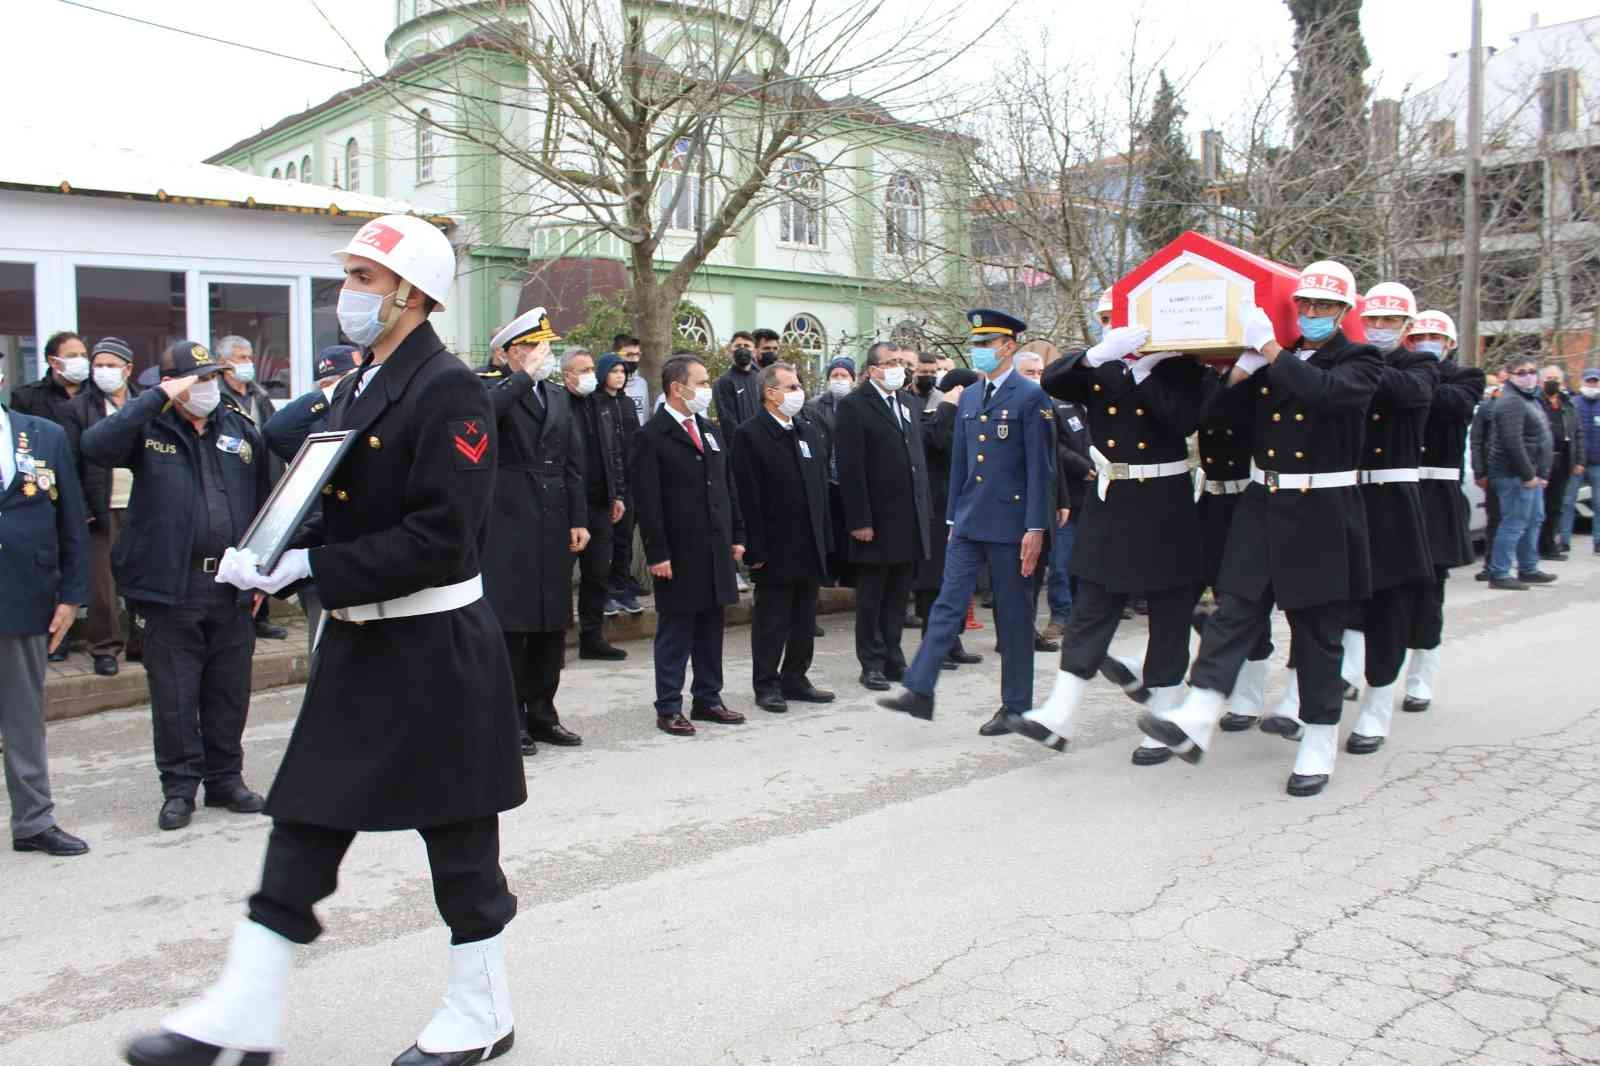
[700,402]
[984,360]
[1317,329]
[924,384]
[742,357]
[792,402]
[360,316]
[894,378]
[1433,348]
[75,368]
[767,358]
[203,398]
[628,368]
[587,383]
[1385,340]
[245,372]
[1552,387]
[1590,392]
[1525,382]
[110,379]
[840,387]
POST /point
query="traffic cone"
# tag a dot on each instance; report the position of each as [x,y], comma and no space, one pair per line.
[972,618]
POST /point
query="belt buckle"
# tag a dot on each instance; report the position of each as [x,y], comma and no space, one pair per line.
[339,614]
[208,565]
[1119,471]
[1271,477]
[1214,488]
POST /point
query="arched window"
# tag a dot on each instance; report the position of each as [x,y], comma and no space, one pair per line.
[291,174]
[306,173]
[800,213]
[804,332]
[903,215]
[277,173]
[352,165]
[693,331]
[680,192]
[424,146]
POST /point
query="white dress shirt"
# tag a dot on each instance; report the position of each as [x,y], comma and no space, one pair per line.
[8,461]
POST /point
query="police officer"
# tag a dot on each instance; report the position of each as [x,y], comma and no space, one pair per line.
[1002,468]
[409,720]
[199,473]
[41,520]
[1299,533]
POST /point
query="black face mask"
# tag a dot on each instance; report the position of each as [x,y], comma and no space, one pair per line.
[1551,388]
[742,357]
[925,383]
[768,358]
[629,368]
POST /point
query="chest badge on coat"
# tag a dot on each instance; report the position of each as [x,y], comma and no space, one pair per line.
[471,443]
[1002,431]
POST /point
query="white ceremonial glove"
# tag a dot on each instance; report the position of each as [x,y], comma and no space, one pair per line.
[1124,340]
[1258,329]
[1145,364]
[1102,470]
[294,566]
[238,568]
[1250,362]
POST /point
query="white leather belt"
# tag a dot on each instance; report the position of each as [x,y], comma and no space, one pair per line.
[1226,488]
[1389,477]
[1438,473]
[1107,471]
[428,601]
[1337,479]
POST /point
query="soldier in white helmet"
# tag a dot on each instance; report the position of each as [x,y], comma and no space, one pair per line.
[410,719]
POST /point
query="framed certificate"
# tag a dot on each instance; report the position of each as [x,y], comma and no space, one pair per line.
[274,525]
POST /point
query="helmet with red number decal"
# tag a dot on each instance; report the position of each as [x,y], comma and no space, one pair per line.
[411,247]
[1434,322]
[1327,280]
[1389,298]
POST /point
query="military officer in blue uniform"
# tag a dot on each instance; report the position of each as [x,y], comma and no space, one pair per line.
[1002,473]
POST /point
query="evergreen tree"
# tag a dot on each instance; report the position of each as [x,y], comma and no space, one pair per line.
[1170,183]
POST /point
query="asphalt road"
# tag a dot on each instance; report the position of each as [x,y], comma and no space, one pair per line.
[848,886]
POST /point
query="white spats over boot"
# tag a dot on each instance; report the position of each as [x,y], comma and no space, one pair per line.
[1051,724]
[1420,676]
[1128,675]
[1372,725]
[1152,752]
[243,1011]
[1187,727]
[1284,718]
[1313,764]
[1353,667]
[473,1024]
[1248,698]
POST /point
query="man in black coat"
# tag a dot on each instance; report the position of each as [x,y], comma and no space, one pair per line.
[538,523]
[883,482]
[605,482]
[778,468]
[66,372]
[736,393]
[1299,533]
[689,522]
[939,424]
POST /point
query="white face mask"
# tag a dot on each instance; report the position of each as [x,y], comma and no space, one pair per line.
[1590,392]
[360,316]
[1385,340]
[245,372]
[894,377]
[587,383]
[110,379]
[792,402]
[700,403]
[75,368]
[840,387]
[203,398]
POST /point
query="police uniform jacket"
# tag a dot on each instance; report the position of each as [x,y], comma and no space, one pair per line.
[883,476]
[86,409]
[292,423]
[538,501]
[1002,462]
[407,722]
[1144,535]
[938,438]
[1445,509]
[1224,443]
[44,543]
[687,513]
[257,406]
[1305,416]
[153,558]
[783,499]
[1395,422]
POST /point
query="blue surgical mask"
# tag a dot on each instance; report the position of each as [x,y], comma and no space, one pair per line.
[245,372]
[1317,329]
[1433,348]
[984,360]
[360,316]
[1385,340]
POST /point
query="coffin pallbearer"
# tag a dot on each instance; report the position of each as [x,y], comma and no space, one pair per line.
[1445,509]
[539,522]
[1299,533]
[1139,534]
[409,720]
[779,468]
[1002,472]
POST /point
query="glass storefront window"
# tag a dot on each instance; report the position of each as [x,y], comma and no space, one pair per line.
[259,314]
[325,314]
[18,329]
[146,308]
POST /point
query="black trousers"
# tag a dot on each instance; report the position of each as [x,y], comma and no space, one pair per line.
[1096,613]
[621,579]
[881,594]
[197,659]
[536,660]
[1392,617]
[302,868]
[594,574]
[782,631]
[1316,646]
[1427,631]
[1554,493]
[682,638]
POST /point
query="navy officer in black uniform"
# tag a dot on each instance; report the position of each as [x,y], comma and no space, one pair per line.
[409,720]
[1002,473]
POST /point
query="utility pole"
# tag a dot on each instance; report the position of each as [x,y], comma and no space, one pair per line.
[1470,264]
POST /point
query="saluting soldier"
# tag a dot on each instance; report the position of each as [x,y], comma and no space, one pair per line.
[1446,511]
[1139,534]
[409,720]
[1299,533]
[1002,472]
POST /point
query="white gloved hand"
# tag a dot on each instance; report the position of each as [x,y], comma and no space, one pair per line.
[294,566]
[238,568]
[1124,340]
[1258,329]
[1250,362]
[1145,364]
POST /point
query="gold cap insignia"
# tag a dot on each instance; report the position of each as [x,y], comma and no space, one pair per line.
[200,354]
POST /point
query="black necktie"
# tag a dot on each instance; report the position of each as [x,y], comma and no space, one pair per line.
[988,393]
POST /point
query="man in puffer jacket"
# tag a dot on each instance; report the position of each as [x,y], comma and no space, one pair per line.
[1519,456]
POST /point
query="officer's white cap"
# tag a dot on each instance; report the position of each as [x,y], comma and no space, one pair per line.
[530,327]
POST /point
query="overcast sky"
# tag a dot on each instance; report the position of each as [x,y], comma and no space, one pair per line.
[122,83]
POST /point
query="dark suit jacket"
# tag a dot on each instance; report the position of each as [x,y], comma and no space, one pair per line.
[783,496]
[86,409]
[883,477]
[684,503]
[44,543]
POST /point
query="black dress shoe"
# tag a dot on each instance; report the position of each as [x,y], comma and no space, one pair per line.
[1536,577]
[1507,583]
[1360,745]
[965,657]
[1151,756]
[1351,692]
[718,713]
[175,813]
[1414,705]
[60,654]
[818,631]
[1117,672]
[996,726]
[238,799]
[269,631]
[1026,727]
[1306,784]
[415,1056]
[676,724]
[772,703]
[556,734]
[874,680]
[913,703]
[1044,643]
[808,693]
[1482,575]
[1172,736]
[170,1049]
[105,665]
[601,650]
[948,663]
[53,841]
[1287,728]
[1237,723]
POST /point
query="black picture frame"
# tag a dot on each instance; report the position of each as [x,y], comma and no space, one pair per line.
[274,526]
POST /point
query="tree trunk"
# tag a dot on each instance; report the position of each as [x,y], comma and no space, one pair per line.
[652,307]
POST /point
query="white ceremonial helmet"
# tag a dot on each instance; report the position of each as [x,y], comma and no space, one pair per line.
[1327,280]
[412,247]
[1434,322]
[1389,298]
[1104,306]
